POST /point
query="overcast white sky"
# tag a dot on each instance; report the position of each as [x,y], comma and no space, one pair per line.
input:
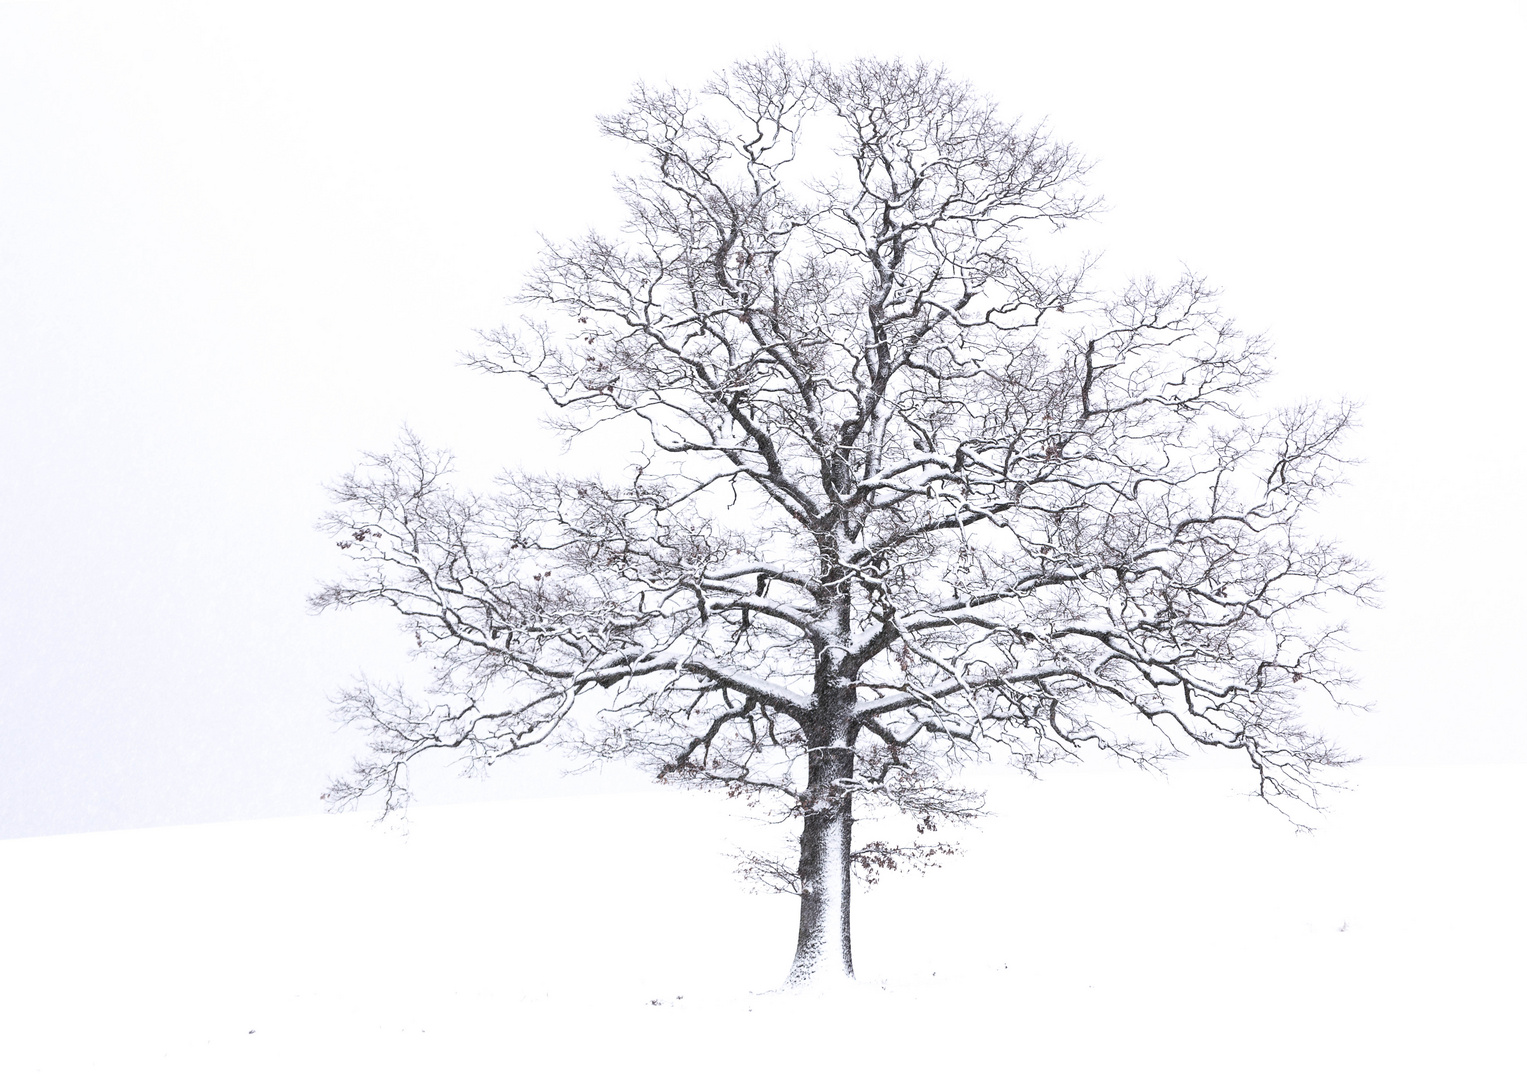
[238,246]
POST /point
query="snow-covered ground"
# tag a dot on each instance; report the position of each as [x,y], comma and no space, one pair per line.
[1101,923]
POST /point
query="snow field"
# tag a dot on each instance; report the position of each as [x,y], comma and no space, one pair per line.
[1101,923]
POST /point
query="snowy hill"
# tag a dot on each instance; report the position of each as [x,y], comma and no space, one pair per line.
[1098,922]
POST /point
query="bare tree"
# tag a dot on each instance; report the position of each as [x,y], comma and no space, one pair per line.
[901,493]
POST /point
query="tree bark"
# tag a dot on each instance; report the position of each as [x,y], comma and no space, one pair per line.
[823,950]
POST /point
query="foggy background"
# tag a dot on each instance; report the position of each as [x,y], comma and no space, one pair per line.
[241,246]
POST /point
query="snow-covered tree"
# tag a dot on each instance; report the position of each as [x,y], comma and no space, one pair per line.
[901,492]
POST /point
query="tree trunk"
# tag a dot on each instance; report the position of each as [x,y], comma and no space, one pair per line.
[823,950]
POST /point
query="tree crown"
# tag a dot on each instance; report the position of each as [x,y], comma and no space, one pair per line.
[904,491]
